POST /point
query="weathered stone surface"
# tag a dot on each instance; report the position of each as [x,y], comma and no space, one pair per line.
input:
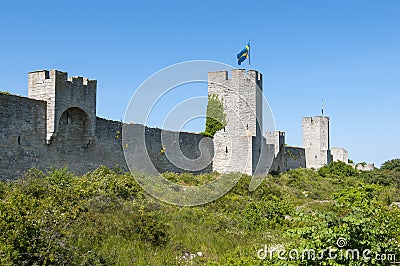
[62,93]
[339,154]
[286,157]
[240,146]
[57,127]
[316,141]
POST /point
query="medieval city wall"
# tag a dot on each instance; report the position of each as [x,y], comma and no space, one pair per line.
[23,141]
[22,132]
[294,157]
[56,126]
[288,158]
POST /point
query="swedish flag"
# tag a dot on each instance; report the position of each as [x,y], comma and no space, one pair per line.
[244,54]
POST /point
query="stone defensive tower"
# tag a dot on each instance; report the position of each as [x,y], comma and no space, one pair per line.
[316,141]
[340,154]
[276,138]
[238,146]
[71,104]
[56,126]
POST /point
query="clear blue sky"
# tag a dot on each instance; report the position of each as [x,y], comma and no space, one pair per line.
[344,51]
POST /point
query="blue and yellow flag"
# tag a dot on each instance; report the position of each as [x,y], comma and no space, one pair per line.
[244,54]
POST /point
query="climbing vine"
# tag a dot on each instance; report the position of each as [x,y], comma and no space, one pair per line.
[216,117]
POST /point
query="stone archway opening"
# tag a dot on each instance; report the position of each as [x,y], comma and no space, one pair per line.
[74,128]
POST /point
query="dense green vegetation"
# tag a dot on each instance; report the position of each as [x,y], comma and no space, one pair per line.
[105,218]
[215,116]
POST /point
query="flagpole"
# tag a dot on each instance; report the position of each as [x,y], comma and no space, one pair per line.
[249,55]
[249,52]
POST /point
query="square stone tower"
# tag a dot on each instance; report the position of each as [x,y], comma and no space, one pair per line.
[237,148]
[277,139]
[68,100]
[340,154]
[316,141]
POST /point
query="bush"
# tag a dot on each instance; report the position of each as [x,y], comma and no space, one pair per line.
[60,219]
[266,214]
[104,218]
[358,217]
[338,169]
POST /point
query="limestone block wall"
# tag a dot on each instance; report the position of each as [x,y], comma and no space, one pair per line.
[62,93]
[241,95]
[339,154]
[182,151]
[262,156]
[294,157]
[316,141]
[288,158]
[57,126]
[232,153]
[365,167]
[22,134]
[23,142]
[276,138]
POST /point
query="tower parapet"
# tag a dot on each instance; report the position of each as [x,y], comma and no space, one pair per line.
[63,94]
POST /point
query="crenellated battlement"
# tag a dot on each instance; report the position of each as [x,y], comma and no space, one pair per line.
[236,74]
[60,111]
[82,82]
[55,76]
[61,94]
[56,126]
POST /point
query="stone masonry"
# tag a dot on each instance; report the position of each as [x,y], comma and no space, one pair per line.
[340,154]
[285,157]
[316,141]
[62,93]
[56,126]
[240,146]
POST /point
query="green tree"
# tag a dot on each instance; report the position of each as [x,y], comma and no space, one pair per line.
[387,175]
[338,169]
[391,165]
